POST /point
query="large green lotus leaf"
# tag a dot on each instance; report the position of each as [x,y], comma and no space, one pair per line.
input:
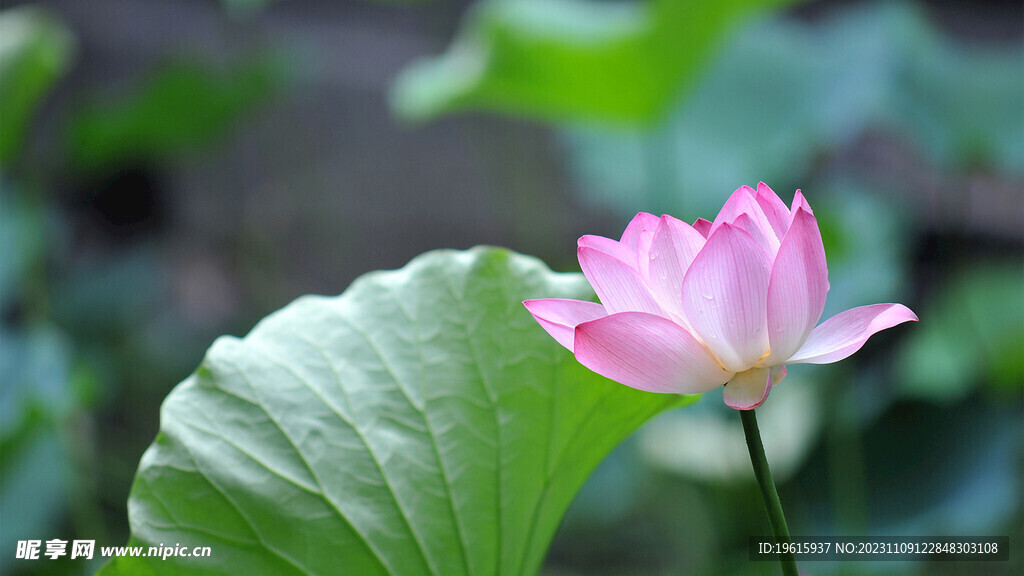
[35,51]
[420,423]
[621,62]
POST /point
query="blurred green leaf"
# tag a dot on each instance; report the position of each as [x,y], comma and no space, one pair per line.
[420,423]
[36,475]
[793,102]
[22,228]
[35,50]
[34,366]
[783,93]
[972,334]
[36,398]
[558,60]
[179,106]
[963,106]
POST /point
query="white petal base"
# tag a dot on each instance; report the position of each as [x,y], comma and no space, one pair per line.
[748,390]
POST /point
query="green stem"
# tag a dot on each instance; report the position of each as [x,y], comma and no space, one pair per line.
[772,505]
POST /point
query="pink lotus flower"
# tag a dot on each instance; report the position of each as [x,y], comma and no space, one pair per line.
[687,308]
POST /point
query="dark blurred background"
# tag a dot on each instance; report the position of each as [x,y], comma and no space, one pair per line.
[174,170]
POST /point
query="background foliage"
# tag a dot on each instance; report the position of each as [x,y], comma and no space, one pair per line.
[172,171]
